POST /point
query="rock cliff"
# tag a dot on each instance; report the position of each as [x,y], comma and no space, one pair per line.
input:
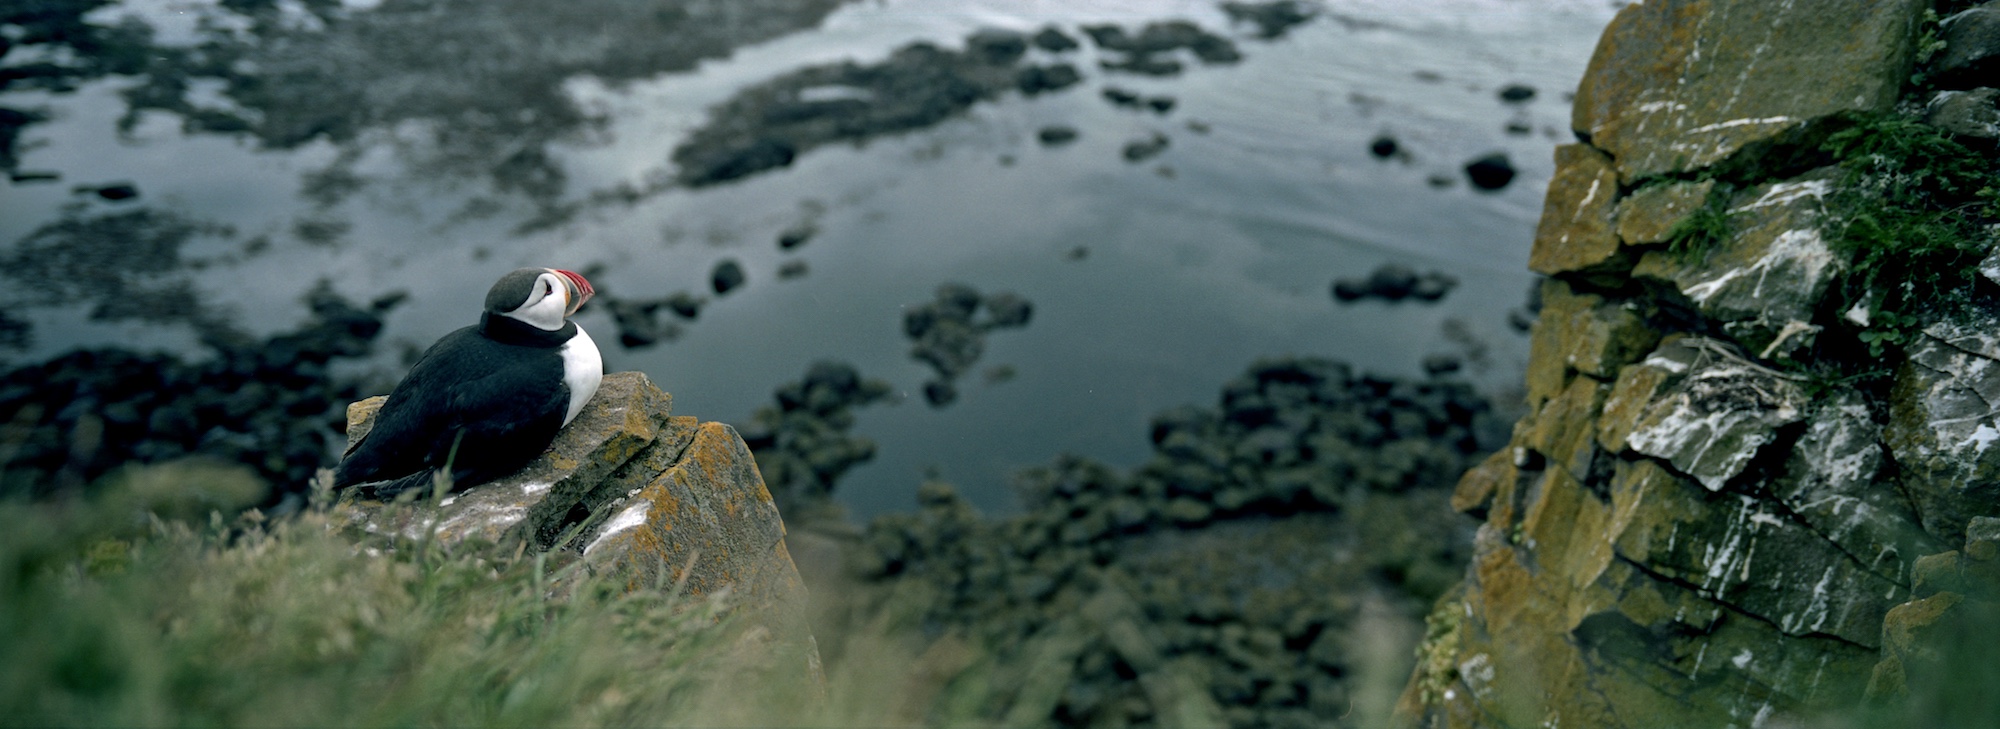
[1763,389]
[640,496]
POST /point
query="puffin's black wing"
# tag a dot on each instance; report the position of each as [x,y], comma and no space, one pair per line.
[501,404]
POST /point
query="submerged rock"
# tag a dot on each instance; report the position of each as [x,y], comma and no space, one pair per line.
[1384,146]
[1272,19]
[1140,150]
[767,125]
[268,404]
[802,444]
[728,275]
[1193,588]
[1036,80]
[1395,282]
[794,237]
[1054,41]
[949,333]
[1056,136]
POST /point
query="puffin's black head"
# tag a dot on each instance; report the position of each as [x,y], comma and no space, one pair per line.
[542,297]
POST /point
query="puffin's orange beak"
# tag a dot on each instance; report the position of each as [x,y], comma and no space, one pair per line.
[579,290]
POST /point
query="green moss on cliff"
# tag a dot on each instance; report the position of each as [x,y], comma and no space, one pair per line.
[1913,213]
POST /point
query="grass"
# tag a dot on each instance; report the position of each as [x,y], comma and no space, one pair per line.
[143,606]
[1694,236]
[121,611]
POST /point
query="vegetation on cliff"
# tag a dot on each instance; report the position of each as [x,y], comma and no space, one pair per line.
[1756,478]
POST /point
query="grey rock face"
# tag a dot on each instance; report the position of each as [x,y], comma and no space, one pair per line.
[1834,482]
[1765,280]
[1966,113]
[1712,414]
[1945,421]
[1972,43]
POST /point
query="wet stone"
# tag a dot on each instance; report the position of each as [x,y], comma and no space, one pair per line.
[1669,89]
[1036,80]
[1517,93]
[795,236]
[1140,150]
[727,276]
[1385,147]
[1272,19]
[1054,41]
[801,441]
[1056,136]
[1394,282]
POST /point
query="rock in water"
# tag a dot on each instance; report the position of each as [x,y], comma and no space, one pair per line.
[1491,172]
[727,276]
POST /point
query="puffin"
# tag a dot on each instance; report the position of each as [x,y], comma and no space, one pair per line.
[485,400]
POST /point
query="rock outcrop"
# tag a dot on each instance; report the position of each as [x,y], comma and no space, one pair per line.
[640,496]
[1696,524]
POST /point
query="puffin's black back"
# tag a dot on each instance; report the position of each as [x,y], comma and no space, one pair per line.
[501,400]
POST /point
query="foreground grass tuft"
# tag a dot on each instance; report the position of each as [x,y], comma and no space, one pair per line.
[113,616]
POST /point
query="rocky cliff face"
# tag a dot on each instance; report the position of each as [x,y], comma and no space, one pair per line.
[640,496]
[1750,427]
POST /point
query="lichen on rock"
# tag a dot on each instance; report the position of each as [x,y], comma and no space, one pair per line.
[643,498]
[1677,85]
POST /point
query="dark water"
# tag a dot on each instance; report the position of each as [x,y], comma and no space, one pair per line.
[493,143]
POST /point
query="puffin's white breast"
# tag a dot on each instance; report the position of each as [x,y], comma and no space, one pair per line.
[583,369]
